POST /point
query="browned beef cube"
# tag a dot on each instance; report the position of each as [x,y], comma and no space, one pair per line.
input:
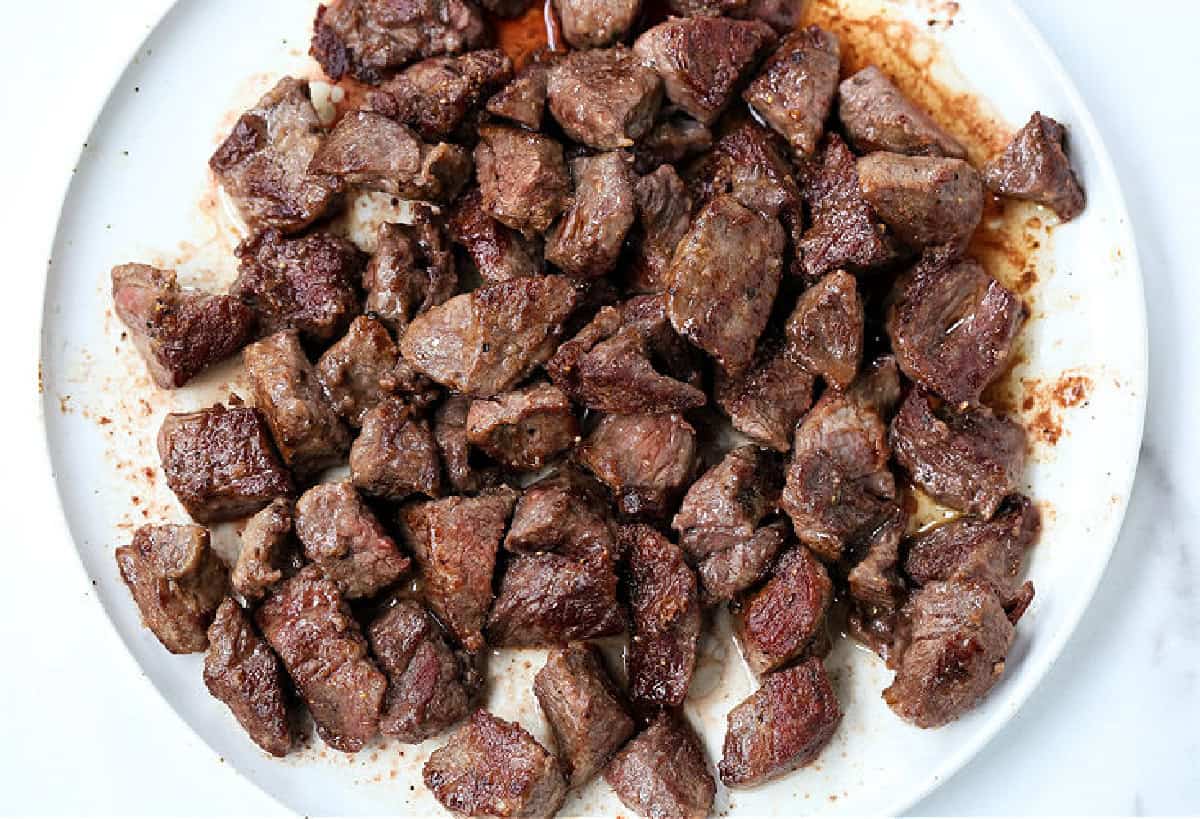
[584,710]
[522,177]
[711,8]
[177,582]
[662,772]
[728,572]
[664,214]
[263,163]
[646,460]
[1035,166]
[587,239]
[838,485]
[782,726]
[430,686]
[723,280]
[366,38]
[782,15]
[412,270]
[267,551]
[220,462]
[396,454]
[284,384]
[604,98]
[485,341]
[454,541]
[307,622]
[665,604]
[958,636]
[749,163]
[728,502]
[523,100]
[308,284]
[953,327]
[776,622]
[241,671]
[927,201]
[794,92]
[179,333]
[450,432]
[596,23]
[437,95]
[367,149]
[405,382]
[524,428]
[354,370]
[499,252]
[491,767]
[825,331]
[769,398]
[878,117]
[550,599]
[673,138]
[703,60]
[566,512]
[845,232]
[878,386]
[875,582]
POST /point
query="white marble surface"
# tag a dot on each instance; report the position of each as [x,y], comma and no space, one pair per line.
[1115,726]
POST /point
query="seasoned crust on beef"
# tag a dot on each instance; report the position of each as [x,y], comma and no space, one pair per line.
[663,772]
[775,623]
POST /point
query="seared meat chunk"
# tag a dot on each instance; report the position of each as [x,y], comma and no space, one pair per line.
[782,726]
[179,333]
[596,23]
[728,572]
[566,513]
[794,92]
[267,550]
[523,428]
[666,618]
[396,454]
[263,163]
[522,177]
[875,581]
[925,200]
[284,384]
[588,238]
[710,8]
[307,622]
[584,710]
[750,164]
[662,772]
[878,386]
[366,38]
[957,638]
[499,252]
[703,60]
[769,398]
[485,341]
[776,622]
[241,671]
[1035,166]
[412,270]
[673,138]
[177,582]
[307,284]
[523,100]
[355,369]
[878,117]
[430,686]
[825,331]
[664,214]
[781,15]
[953,327]
[450,432]
[604,98]
[436,96]
[454,541]
[646,460]
[220,462]
[723,280]
[549,599]
[491,767]
[728,502]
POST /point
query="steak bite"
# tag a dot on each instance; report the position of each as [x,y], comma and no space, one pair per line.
[499,252]
[522,177]
[412,270]
[267,551]
[284,384]
[395,455]
[177,582]
[794,92]
[366,38]
[584,710]
[550,599]
[587,240]
[666,624]
[723,280]
[646,460]
[604,98]
[664,209]
[874,581]
[241,671]
[491,767]
[523,100]
[484,342]
[263,164]
[728,572]
[307,622]
[926,201]
[221,463]
[662,772]
[750,164]
[767,400]
[1035,166]
[567,513]
[596,23]
[673,138]
[876,116]
[179,333]
[703,60]
[355,369]
[953,327]
[436,96]
[825,331]
[430,686]
[776,622]
[523,428]
[729,501]
[450,432]
[454,541]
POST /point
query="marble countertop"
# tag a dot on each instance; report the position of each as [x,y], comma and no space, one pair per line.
[1113,728]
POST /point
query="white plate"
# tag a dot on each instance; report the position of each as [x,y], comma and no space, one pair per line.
[142,192]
